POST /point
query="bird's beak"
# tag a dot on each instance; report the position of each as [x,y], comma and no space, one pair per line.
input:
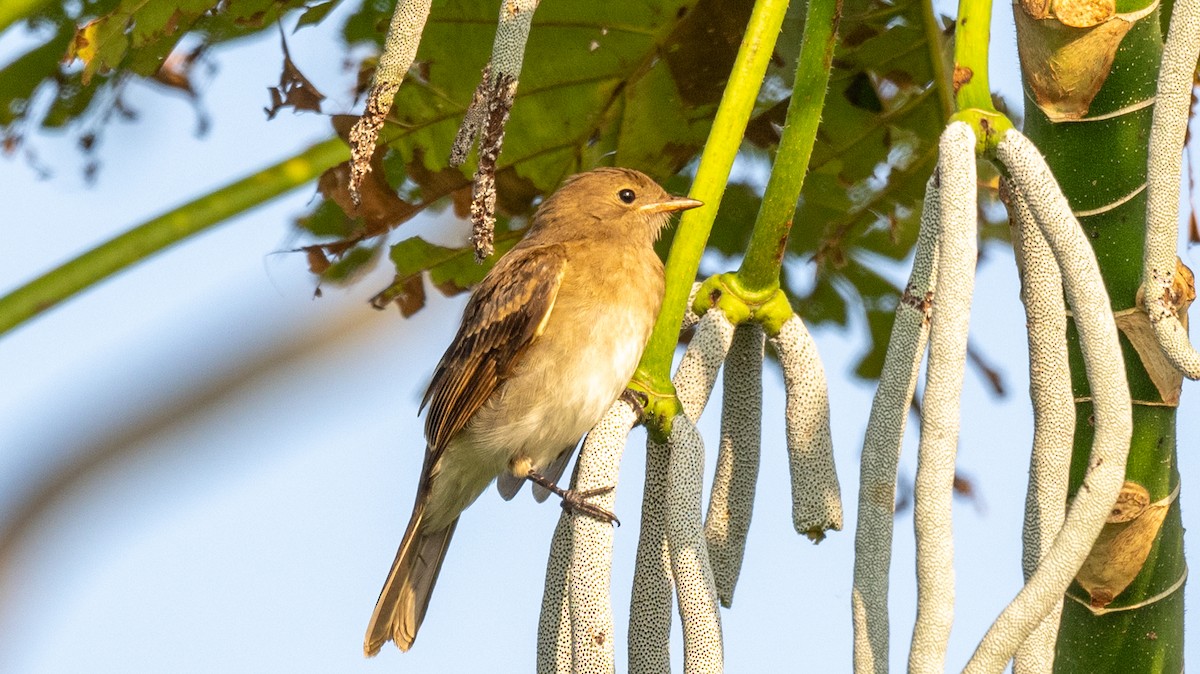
[670,205]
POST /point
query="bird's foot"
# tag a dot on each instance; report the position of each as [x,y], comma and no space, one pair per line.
[577,501]
[637,400]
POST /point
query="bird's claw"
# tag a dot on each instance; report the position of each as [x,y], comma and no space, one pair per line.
[638,400]
[577,502]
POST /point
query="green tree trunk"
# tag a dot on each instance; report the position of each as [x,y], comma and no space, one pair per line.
[1100,161]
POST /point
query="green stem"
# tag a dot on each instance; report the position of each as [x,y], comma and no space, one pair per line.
[971,38]
[972,95]
[934,40]
[759,273]
[167,229]
[654,372]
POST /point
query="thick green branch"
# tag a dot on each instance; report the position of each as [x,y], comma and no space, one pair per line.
[653,375]
[759,273]
[146,239]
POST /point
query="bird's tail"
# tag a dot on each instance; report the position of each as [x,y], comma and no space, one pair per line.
[405,595]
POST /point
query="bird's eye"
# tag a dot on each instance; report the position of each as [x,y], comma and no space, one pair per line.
[627,196]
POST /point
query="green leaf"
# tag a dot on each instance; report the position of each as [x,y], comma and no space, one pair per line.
[415,255]
[354,263]
[626,83]
[19,79]
[327,221]
[151,26]
[630,85]
[592,71]
[314,14]
[878,135]
[451,270]
[879,330]
[824,304]
[242,17]
[735,219]
[113,38]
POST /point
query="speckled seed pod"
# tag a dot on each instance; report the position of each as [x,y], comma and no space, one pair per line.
[508,55]
[554,626]
[732,500]
[576,626]
[1053,414]
[881,447]
[512,31]
[1167,131]
[474,119]
[590,573]
[487,116]
[816,496]
[491,140]
[399,50]
[650,605]
[702,361]
[934,484]
[650,608]
[1112,408]
[690,317]
[699,614]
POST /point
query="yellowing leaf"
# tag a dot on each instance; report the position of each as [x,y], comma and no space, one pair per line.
[100,44]
[147,30]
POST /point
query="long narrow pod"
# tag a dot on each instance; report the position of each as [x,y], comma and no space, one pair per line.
[1093,503]
[934,485]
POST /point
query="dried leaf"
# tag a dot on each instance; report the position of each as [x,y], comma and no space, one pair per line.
[1083,13]
[1167,380]
[294,90]
[318,262]
[176,70]
[379,206]
[1065,67]
[1123,545]
[408,293]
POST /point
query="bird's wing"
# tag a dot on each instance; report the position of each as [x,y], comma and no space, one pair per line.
[507,312]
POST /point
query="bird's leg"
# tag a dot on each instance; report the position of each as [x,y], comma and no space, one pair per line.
[577,501]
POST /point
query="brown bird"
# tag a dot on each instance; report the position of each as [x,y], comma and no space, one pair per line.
[548,341]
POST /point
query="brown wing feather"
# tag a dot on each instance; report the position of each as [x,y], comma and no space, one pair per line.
[506,312]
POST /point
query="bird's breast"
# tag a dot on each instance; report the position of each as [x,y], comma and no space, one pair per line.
[576,368]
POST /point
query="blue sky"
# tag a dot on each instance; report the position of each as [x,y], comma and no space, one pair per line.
[261,446]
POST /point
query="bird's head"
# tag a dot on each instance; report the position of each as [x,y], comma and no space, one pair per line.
[611,202]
